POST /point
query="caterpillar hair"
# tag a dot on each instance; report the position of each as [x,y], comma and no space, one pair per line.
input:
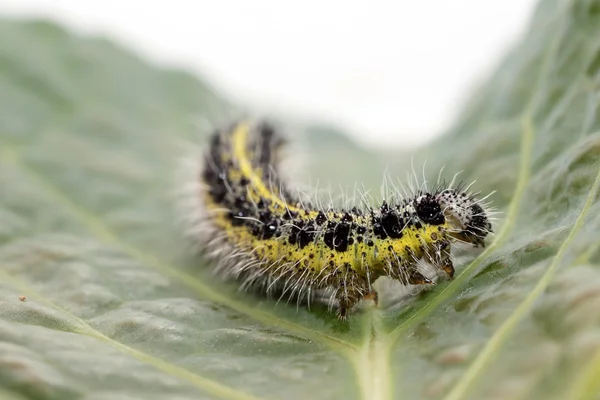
[245,218]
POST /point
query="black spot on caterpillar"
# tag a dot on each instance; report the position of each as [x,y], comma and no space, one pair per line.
[246,219]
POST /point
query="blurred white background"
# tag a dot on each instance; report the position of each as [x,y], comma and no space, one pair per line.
[389,72]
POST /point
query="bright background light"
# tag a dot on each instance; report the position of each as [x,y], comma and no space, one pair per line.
[389,72]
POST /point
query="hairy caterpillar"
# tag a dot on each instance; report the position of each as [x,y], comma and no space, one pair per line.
[247,220]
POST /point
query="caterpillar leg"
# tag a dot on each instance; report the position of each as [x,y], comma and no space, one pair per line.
[344,309]
[448,269]
[445,259]
[417,278]
[373,295]
[347,299]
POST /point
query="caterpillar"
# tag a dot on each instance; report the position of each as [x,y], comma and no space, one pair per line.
[248,222]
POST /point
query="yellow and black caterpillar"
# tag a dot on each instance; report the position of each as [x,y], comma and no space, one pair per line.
[247,220]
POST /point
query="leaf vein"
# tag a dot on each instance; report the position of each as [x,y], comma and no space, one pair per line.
[502,334]
[84,328]
[452,287]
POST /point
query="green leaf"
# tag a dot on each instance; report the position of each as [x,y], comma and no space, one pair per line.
[115,308]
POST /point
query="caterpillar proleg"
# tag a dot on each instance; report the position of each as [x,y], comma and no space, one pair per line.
[247,221]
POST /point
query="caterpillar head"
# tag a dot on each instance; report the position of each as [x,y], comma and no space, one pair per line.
[467,219]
